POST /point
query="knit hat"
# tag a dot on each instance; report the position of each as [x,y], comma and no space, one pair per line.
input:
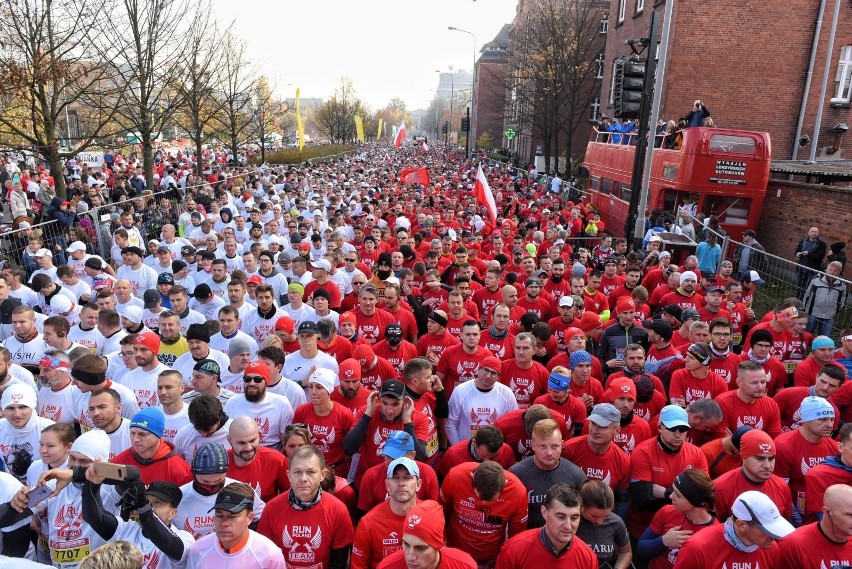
[178,266]
[364,354]
[133,313]
[257,368]
[350,369]
[760,335]
[490,362]
[822,342]
[622,387]
[198,332]
[700,353]
[93,444]
[286,324]
[347,317]
[580,357]
[756,442]
[625,304]
[148,340]
[323,377]
[19,394]
[688,275]
[238,346]
[208,366]
[425,521]
[813,408]
[590,321]
[296,287]
[166,278]
[150,419]
[210,459]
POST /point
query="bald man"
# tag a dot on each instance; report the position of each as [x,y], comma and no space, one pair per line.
[123,290]
[824,543]
[262,468]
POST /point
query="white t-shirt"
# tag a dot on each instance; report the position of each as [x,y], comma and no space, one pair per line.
[174,423]
[289,389]
[26,295]
[78,290]
[192,317]
[471,408]
[58,406]
[209,309]
[144,384]
[272,414]
[27,439]
[28,353]
[91,339]
[119,439]
[194,515]
[296,367]
[219,343]
[188,440]
[141,279]
[259,553]
[259,328]
[304,313]
[134,301]
[152,557]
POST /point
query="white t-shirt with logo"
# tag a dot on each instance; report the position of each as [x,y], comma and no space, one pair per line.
[58,406]
[144,384]
[272,415]
[194,515]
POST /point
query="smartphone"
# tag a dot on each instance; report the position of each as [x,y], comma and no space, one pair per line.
[38,495]
[110,470]
[619,354]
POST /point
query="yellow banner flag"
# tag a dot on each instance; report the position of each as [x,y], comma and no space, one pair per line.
[300,128]
[359,128]
[379,135]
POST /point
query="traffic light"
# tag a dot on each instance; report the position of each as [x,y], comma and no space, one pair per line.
[446,128]
[465,124]
[629,81]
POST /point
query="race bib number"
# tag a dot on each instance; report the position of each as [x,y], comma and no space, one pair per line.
[432,446]
[72,551]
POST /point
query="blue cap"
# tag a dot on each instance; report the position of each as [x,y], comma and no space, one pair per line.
[673,416]
[823,342]
[397,444]
[813,408]
[150,419]
[211,458]
[406,462]
[580,357]
[558,382]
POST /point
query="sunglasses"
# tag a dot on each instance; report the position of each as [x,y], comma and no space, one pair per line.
[351,260]
[682,429]
[253,378]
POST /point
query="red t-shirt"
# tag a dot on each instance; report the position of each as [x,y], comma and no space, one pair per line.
[695,302]
[380,372]
[372,328]
[377,433]
[610,285]
[776,373]
[789,400]
[664,520]
[266,474]
[373,491]
[407,321]
[650,463]
[432,344]
[306,537]
[479,526]
[571,410]
[397,358]
[795,456]
[763,414]
[486,300]
[500,348]
[558,290]
[817,480]
[527,384]
[688,388]
[330,287]
[726,368]
[355,404]
[592,388]
[842,399]
[708,548]
[457,366]
[340,348]
[781,341]
[540,307]
[630,435]
[378,535]
[718,461]
[527,550]
[807,371]
[707,316]
[596,302]
[808,548]
[733,483]
[612,467]
[459,453]
[563,358]
[327,433]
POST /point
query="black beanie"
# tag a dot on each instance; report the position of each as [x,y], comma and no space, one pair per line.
[760,336]
[198,332]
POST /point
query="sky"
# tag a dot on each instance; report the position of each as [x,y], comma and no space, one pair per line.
[388,48]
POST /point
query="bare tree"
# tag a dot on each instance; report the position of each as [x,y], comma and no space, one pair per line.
[48,74]
[143,43]
[196,84]
[336,118]
[237,79]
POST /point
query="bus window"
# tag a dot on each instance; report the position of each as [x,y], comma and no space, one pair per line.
[594,183]
[626,193]
[732,143]
[616,189]
[606,186]
[729,209]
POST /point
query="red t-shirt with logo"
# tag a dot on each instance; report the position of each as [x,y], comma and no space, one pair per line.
[709,548]
[372,328]
[266,474]
[572,409]
[486,300]
[763,414]
[378,535]
[355,404]
[795,456]
[527,384]
[432,344]
[776,373]
[381,371]
[611,467]
[372,490]
[500,348]
[664,520]
[397,358]
[377,433]
[789,400]
[684,385]
[458,366]
[516,436]
[809,548]
[327,433]
[733,483]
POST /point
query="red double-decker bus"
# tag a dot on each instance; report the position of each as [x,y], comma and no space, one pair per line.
[724,172]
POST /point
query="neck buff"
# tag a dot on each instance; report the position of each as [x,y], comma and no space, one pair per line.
[732,538]
[755,359]
[720,354]
[300,505]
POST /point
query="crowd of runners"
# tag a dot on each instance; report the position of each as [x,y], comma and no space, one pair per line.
[325,365]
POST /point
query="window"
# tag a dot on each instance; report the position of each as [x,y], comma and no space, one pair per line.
[594,183]
[604,25]
[596,109]
[843,81]
[622,8]
[599,65]
[732,143]
[606,186]
[640,5]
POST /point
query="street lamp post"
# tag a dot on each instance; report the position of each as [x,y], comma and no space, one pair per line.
[472,86]
[452,96]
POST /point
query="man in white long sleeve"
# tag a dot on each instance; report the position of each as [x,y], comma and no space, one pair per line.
[479,402]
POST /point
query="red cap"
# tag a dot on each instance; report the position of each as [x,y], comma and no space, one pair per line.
[350,369]
[255,279]
[257,368]
[622,387]
[303,246]
[624,304]
[590,321]
[474,245]
[756,442]
[571,332]
[426,521]
[149,340]
[66,203]
[492,363]
[364,354]
[285,323]
[347,317]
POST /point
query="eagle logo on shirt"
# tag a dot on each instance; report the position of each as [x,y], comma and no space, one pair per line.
[482,416]
[758,424]
[68,521]
[52,412]
[263,427]
[302,536]
[151,560]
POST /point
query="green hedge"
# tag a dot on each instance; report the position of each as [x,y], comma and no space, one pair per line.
[498,157]
[291,155]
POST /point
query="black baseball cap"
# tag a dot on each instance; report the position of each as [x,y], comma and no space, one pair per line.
[168,491]
[187,250]
[232,502]
[392,388]
[307,327]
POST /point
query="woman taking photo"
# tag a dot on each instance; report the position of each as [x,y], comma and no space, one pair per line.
[602,530]
[691,510]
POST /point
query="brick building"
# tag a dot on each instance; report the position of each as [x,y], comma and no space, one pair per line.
[490,88]
[748,62]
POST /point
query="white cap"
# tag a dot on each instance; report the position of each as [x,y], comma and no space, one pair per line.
[655,238]
[321,264]
[61,304]
[19,394]
[566,300]
[665,254]
[133,313]
[757,508]
[43,253]
[76,246]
